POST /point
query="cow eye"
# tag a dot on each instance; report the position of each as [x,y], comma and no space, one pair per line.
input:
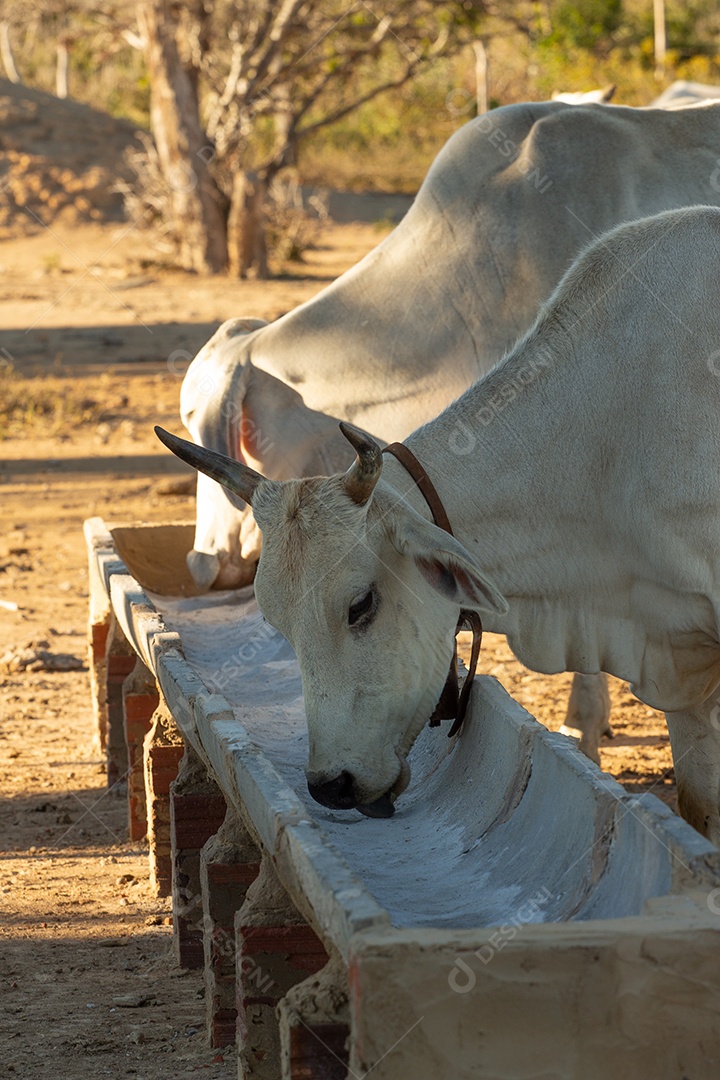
[362,610]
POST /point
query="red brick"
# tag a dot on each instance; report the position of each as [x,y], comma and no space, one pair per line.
[98,640]
[189,943]
[196,818]
[233,873]
[164,763]
[166,756]
[141,707]
[318,1051]
[294,941]
[162,779]
[282,952]
[119,666]
[223,1028]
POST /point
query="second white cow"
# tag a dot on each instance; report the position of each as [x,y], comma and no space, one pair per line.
[508,203]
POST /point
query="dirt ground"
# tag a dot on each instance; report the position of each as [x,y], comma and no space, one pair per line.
[88,986]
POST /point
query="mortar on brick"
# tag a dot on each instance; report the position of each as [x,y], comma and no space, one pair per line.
[275,950]
[197,810]
[229,863]
[162,751]
[314,1022]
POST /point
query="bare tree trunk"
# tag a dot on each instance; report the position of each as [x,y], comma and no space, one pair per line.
[247,241]
[660,38]
[7,54]
[246,226]
[481,76]
[61,71]
[198,206]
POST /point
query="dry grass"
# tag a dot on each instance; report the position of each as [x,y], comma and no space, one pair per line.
[48,402]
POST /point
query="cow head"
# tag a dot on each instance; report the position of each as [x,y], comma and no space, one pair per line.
[368,593]
[234,408]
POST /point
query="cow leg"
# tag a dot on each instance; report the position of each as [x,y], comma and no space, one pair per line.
[588,714]
[695,741]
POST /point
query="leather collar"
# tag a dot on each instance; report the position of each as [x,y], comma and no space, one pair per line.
[452,704]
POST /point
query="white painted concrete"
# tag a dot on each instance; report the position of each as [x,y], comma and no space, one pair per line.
[504,814]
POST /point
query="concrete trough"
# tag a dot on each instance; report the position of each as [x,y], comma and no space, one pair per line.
[520,916]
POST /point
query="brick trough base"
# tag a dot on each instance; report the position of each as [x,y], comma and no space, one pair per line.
[194,818]
[140,700]
[275,950]
[119,663]
[229,864]
[162,754]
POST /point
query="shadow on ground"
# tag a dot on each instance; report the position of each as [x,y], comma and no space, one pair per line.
[91,350]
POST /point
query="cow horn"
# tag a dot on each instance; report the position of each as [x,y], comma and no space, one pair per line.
[363,474]
[233,475]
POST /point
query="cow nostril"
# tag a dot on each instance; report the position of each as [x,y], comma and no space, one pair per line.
[338,794]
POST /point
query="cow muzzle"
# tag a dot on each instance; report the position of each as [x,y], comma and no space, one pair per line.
[341,793]
[211,571]
[337,794]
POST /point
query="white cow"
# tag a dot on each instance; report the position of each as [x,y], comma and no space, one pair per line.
[682,93]
[232,406]
[586,513]
[587,97]
[508,203]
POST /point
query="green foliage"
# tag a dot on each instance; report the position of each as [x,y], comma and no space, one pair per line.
[585,24]
[105,71]
[388,143]
[692,27]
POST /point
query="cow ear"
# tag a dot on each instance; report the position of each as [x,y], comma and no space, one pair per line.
[449,568]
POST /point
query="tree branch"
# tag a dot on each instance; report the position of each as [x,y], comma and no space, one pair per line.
[338,114]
